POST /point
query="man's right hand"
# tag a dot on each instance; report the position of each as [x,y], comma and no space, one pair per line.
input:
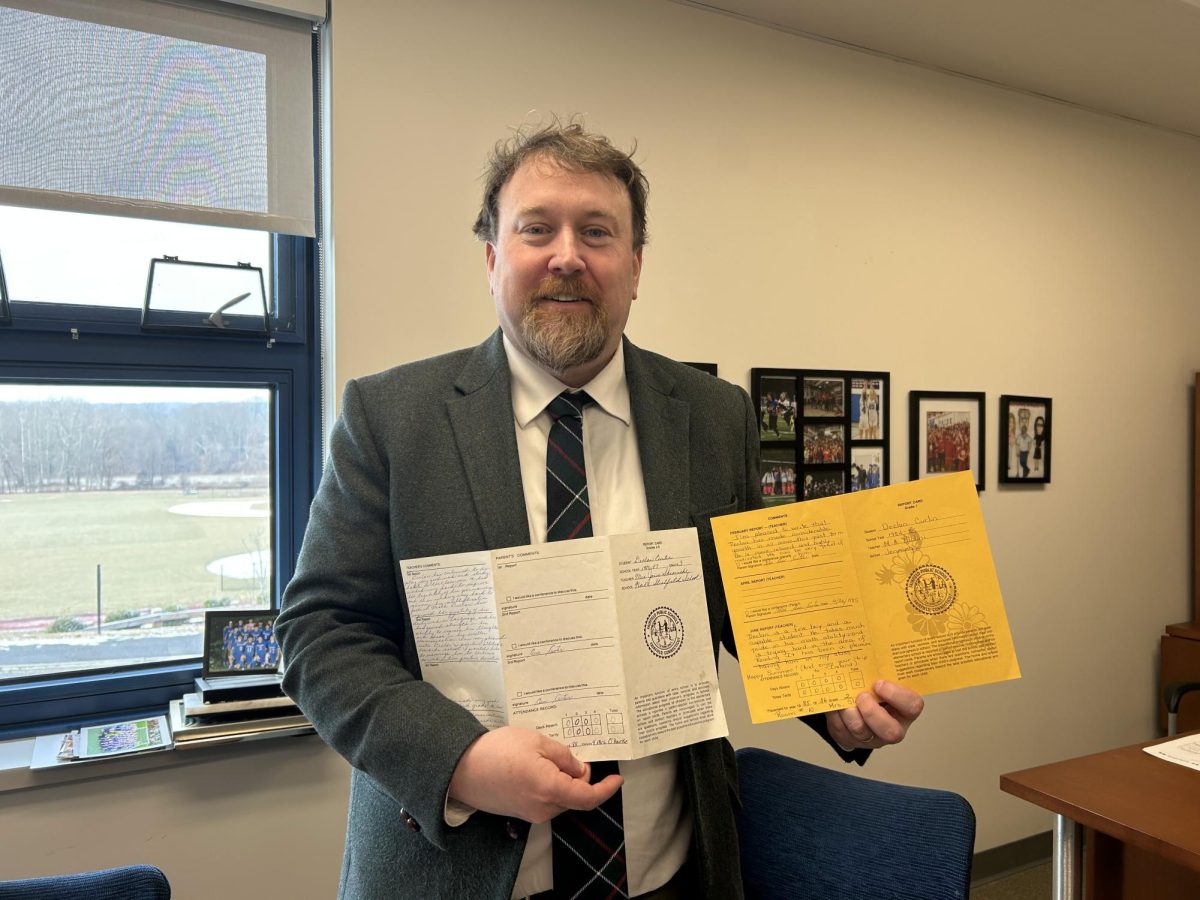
[518,772]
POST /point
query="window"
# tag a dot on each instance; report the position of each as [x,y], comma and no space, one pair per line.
[91,260]
[129,511]
[145,476]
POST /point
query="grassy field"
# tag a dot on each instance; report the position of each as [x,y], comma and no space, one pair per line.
[50,545]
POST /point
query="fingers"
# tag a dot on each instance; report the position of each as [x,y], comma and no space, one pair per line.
[561,756]
[878,719]
[516,771]
[839,732]
[905,703]
[578,794]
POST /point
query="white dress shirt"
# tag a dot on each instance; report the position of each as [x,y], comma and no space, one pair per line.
[658,826]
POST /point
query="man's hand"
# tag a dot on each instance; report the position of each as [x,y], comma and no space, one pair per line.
[876,720]
[518,772]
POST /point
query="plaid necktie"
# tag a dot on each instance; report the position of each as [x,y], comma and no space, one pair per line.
[589,845]
[567,512]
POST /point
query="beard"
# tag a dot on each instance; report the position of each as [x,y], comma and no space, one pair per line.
[560,340]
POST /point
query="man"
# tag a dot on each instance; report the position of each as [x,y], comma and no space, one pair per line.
[1024,445]
[450,454]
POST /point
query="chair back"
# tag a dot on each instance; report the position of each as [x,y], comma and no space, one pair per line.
[124,883]
[810,833]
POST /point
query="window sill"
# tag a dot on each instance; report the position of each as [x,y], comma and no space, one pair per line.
[16,755]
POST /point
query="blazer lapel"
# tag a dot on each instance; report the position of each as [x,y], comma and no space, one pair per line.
[662,423]
[482,420]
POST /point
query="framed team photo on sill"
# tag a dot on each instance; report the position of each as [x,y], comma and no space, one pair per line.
[1025,440]
[240,642]
[946,433]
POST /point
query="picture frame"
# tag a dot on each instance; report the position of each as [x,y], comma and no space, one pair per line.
[947,433]
[227,630]
[1026,439]
[866,468]
[867,398]
[824,443]
[775,399]
[826,430]
[824,397]
[777,466]
[823,484]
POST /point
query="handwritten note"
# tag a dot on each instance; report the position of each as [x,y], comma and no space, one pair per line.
[600,643]
[451,606]
[829,595]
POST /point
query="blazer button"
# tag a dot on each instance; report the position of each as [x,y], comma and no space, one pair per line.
[510,827]
[409,820]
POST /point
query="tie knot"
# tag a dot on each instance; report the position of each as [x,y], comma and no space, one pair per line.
[568,404]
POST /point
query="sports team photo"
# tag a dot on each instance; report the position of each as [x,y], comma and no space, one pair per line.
[778,477]
[777,408]
[947,442]
[866,468]
[823,484]
[240,643]
[824,397]
[824,444]
[866,409]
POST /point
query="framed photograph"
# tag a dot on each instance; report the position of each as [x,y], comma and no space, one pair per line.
[823,483]
[866,408]
[866,468]
[824,444]
[1025,440]
[829,426]
[946,433]
[776,399]
[778,467]
[824,397]
[240,642]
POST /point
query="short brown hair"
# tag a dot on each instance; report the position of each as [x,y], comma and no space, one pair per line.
[573,148]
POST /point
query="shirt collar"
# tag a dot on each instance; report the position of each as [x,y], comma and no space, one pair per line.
[533,387]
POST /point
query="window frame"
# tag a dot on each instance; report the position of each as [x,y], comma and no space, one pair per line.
[106,345]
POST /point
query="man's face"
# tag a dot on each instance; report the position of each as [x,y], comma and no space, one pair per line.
[562,270]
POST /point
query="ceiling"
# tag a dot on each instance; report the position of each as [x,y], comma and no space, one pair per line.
[1138,59]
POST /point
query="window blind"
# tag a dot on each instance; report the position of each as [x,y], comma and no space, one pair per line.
[196,112]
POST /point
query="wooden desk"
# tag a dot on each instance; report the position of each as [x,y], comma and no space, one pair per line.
[1138,815]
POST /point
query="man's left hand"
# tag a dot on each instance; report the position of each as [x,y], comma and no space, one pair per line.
[876,719]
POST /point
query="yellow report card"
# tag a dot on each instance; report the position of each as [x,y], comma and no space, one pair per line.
[827,596]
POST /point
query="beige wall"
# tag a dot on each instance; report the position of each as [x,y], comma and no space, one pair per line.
[811,206]
[260,821]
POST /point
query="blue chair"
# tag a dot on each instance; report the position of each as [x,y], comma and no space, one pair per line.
[810,833]
[124,883]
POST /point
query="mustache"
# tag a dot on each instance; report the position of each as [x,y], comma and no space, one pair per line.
[555,284]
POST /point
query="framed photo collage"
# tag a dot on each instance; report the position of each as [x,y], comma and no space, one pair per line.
[821,432]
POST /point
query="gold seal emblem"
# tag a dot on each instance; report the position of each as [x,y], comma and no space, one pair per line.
[931,589]
[663,632]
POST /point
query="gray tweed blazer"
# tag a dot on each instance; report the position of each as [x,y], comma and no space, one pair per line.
[423,461]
